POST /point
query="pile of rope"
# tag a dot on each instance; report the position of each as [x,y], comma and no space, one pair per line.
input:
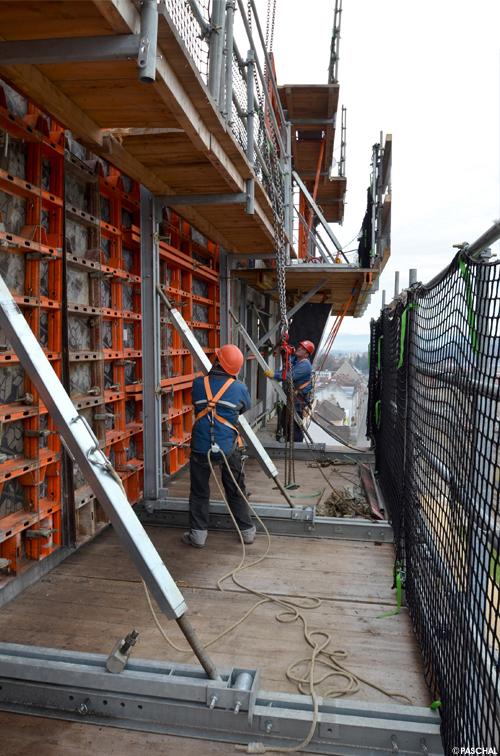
[345,504]
[303,671]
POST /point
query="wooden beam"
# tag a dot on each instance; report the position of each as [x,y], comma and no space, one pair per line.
[173,94]
[117,155]
[32,83]
[119,14]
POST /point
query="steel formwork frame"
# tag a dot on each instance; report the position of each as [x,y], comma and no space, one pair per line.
[70,250]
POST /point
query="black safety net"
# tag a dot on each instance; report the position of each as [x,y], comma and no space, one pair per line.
[434,417]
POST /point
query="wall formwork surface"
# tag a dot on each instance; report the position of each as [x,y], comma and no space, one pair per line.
[70,255]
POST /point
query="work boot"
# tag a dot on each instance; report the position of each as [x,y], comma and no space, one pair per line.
[248,535]
[186,538]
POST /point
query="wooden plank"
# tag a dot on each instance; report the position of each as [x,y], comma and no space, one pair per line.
[173,93]
[30,81]
[44,737]
[117,155]
[96,594]
[119,14]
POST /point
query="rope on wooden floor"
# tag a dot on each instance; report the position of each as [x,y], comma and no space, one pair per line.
[290,613]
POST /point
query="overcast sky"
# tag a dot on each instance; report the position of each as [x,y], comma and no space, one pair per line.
[427,73]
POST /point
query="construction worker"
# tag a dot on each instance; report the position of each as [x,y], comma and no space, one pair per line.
[218,400]
[301,370]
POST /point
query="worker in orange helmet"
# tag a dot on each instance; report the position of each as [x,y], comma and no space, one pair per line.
[301,369]
[218,400]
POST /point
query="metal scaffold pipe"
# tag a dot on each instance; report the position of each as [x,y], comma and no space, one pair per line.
[197,647]
[261,75]
[250,183]
[204,26]
[396,284]
[148,43]
[230,7]
[268,62]
[243,119]
[217,23]
[486,240]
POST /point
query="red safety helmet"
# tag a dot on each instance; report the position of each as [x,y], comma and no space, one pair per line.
[231,358]
[308,345]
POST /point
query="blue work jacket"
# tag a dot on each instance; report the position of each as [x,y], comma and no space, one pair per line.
[302,370]
[232,403]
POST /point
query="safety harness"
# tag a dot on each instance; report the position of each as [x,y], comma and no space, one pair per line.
[304,384]
[210,411]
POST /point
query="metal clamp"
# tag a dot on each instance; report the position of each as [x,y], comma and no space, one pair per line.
[142,58]
[41,533]
[96,446]
[38,433]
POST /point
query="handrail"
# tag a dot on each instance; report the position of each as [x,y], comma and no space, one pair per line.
[262,78]
[204,25]
[268,63]
[489,237]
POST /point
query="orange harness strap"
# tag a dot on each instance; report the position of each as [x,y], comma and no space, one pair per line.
[304,384]
[212,403]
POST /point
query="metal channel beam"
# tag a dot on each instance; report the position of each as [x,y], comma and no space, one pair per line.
[155,696]
[69,50]
[93,463]
[151,362]
[279,520]
[321,452]
[237,198]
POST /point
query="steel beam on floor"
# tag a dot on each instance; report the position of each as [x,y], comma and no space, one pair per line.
[276,450]
[178,699]
[278,519]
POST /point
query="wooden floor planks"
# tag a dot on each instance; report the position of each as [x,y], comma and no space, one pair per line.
[95,597]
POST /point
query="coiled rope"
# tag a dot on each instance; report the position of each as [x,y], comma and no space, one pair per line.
[290,613]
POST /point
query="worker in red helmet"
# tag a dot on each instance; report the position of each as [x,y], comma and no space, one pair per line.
[218,400]
[301,369]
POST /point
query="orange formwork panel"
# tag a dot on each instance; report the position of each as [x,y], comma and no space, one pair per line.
[70,254]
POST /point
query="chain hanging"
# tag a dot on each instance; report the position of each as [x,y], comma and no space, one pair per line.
[290,431]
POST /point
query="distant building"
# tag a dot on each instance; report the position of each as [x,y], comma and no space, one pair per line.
[346,370]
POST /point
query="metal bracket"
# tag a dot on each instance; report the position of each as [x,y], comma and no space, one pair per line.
[236,198]
[140,47]
[279,520]
[70,50]
[178,699]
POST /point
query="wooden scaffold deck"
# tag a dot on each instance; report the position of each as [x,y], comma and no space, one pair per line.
[95,597]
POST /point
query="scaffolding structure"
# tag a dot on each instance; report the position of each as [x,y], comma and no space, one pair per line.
[71,255]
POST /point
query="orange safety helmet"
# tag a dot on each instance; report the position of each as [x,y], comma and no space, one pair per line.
[231,358]
[308,345]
